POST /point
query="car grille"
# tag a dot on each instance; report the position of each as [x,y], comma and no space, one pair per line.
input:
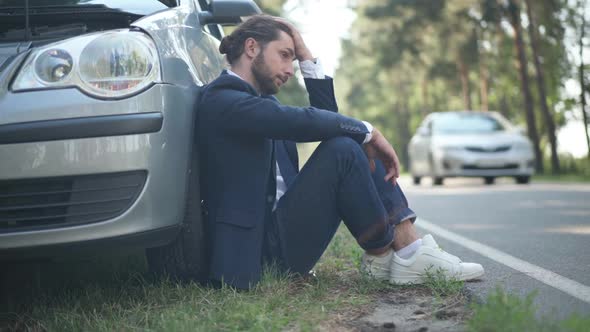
[66,201]
[502,148]
[475,167]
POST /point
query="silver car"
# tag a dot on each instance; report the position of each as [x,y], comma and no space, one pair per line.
[97,116]
[470,144]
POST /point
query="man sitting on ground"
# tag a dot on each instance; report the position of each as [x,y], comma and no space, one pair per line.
[262,209]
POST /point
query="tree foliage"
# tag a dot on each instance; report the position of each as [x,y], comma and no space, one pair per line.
[407,58]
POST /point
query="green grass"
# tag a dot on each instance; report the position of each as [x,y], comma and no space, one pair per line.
[571,170]
[442,286]
[116,294]
[561,178]
[510,313]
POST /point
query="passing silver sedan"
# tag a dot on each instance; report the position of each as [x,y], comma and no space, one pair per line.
[470,144]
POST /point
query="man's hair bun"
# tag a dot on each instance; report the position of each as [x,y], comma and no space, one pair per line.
[262,28]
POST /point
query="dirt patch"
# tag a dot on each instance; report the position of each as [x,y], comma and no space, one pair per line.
[412,310]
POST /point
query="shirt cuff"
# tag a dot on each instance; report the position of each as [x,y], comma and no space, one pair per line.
[370,134]
[312,69]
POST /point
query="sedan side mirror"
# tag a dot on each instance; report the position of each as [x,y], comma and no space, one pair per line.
[423,131]
[228,11]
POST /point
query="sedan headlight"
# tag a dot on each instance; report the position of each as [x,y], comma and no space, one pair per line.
[523,146]
[114,64]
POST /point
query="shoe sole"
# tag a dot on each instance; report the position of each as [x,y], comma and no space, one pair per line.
[472,276]
[419,280]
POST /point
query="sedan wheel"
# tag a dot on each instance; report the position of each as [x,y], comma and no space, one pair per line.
[416,180]
[437,180]
[522,179]
[489,179]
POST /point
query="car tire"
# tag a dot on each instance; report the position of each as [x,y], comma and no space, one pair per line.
[416,180]
[437,180]
[524,179]
[489,180]
[185,258]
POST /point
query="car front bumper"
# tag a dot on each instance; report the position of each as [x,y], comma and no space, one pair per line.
[90,145]
[486,164]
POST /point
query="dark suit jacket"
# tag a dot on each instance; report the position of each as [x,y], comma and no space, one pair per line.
[241,134]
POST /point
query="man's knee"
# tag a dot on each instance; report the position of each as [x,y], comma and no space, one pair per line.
[342,151]
[342,145]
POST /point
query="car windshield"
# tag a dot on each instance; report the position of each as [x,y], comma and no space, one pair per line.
[465,123]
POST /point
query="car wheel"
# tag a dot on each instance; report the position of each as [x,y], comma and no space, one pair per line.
[437,180]
[186,258]
[522,179]
[489,180]
[416,180]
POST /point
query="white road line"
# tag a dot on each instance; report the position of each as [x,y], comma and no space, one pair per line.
[545,276]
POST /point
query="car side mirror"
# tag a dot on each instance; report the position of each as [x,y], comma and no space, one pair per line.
[423,131]
[228,11]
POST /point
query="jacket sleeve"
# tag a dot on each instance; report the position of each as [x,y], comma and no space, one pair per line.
[239,112]
[321,93]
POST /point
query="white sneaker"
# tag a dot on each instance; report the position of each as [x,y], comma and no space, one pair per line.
[431,257]
[377,267]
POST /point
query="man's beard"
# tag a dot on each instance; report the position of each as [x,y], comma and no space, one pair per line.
[263,76]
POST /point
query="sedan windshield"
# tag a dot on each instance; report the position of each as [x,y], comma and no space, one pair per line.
[465,123]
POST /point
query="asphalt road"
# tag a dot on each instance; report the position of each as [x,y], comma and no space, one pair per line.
[528,237]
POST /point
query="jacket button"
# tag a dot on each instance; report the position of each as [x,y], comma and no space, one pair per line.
[270,199]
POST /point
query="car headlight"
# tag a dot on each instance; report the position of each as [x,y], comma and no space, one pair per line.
[523,146]
[53,65]
[112,64]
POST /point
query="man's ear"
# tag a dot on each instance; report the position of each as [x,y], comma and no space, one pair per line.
[251,47]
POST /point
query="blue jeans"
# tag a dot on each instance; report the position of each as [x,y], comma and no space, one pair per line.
[335,184]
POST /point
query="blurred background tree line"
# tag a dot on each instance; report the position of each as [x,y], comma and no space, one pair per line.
[407,58]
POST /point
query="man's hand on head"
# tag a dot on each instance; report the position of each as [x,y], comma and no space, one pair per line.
[302,53]
[378,147]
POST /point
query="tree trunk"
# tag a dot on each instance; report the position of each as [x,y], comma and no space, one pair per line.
[548,117]
[582,5]
[583,101]
[402,112]
[425,101]
[505,106]
[483,72]
[483,83]
[464,75]
[514,13]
